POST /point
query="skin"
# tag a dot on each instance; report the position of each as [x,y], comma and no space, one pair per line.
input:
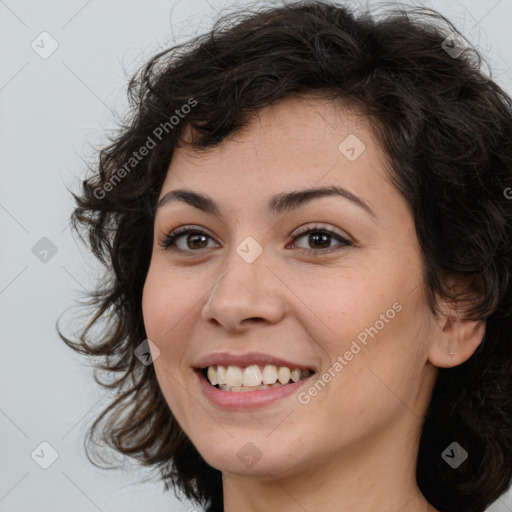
[353,446]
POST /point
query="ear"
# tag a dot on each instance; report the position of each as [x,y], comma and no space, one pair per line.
[456,335]
[459,337]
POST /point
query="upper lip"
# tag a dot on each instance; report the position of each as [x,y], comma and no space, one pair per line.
[248,359]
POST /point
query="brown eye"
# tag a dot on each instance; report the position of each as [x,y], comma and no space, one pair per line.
[319,241]
[195,239]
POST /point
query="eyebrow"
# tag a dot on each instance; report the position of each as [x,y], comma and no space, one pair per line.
[278,204]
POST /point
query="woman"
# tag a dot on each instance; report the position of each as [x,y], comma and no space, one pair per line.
[258,370]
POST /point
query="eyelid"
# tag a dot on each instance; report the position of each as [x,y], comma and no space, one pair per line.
[181,230]
[173,233]
[318,226]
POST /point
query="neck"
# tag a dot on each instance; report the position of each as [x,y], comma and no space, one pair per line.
[376,473]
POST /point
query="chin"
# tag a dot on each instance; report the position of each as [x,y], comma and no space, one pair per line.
[257,459]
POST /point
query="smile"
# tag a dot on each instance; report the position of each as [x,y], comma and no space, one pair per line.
[252,378]
[240,381]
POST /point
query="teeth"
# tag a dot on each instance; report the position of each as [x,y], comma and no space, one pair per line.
[283,375]
[221,374]
[269,374]
[251,376]
[212,375]
[234,378]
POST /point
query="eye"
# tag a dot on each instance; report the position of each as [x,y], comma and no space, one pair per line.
[195,236]
[198,239]
[321,237]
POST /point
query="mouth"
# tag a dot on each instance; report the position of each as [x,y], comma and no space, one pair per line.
[242,379]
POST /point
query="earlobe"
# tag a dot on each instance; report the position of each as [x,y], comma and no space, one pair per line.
[456,342]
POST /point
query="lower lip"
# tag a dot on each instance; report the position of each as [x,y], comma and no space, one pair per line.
[247,399]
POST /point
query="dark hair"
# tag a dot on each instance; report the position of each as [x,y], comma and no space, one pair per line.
[446,129]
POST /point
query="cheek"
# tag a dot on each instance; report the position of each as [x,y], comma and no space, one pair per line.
[152,305]
[161,310]
[343,305]
[371,319]
[162,307]
[170,312]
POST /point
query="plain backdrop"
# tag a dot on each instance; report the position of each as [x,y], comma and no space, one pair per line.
[53,108]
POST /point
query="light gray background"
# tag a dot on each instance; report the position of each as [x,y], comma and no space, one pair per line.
[52,110]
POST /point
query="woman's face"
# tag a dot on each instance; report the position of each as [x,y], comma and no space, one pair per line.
[250,287]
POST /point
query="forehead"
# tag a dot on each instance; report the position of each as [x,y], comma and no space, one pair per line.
[299,137]
[294,119]
[291,146]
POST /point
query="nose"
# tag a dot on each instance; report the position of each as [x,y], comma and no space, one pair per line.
[246,294]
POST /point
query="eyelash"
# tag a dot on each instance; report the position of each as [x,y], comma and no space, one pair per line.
[168,242]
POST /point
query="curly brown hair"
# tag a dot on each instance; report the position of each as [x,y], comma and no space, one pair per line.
[446,128]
